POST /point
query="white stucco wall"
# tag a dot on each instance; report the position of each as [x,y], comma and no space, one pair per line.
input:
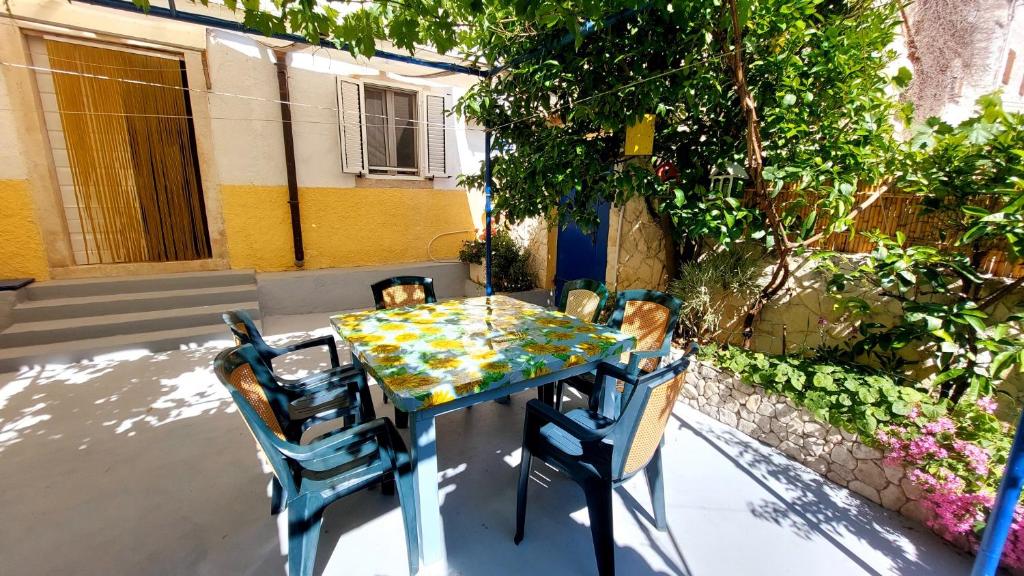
[246,116]
[12,162]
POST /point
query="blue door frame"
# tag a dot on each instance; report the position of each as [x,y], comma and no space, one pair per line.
[581,255]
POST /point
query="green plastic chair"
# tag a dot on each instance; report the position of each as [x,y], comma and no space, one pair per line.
[396,292]
[313,476]
[648,315]
[584,300]
[336,388]
[400,291]
[600,453]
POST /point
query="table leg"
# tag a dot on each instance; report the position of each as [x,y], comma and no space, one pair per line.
[608,394]
[422,433]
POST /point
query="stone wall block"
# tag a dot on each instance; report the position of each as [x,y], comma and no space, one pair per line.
[841,455]
[753,402]
[743,387]
[865,491]
[819,465]
[893,497]
[690,391]
[837,479]
[730,405]
[790,449]
[842,471]
[814,429]
[772,439]
[916,511]
[910,489]
[763,422]
[729,418]
[893,473]
[862,451]
[785,413]
[746,414]
[748,428]
[814,446]
[870,473]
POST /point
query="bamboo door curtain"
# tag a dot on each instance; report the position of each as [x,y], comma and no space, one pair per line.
[127,124]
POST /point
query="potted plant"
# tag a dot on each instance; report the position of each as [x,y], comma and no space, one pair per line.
[510,264]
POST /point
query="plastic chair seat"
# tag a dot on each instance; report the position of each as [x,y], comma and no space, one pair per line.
[338,394]
[568,444]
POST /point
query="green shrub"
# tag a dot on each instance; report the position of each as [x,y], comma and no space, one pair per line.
[706,285]
[473,252]
[510,264]
[848,396]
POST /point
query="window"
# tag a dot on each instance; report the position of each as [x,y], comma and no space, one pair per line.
[387,131]
[390,130]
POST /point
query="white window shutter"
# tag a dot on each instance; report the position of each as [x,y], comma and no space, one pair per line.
[436,120]
[352,127]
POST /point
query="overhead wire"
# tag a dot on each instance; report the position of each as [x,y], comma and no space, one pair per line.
[613,90]
[429,125]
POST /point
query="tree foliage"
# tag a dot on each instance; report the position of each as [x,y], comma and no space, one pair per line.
[970,179]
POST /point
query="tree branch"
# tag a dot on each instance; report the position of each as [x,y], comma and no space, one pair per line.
[853,213]
[1000,293]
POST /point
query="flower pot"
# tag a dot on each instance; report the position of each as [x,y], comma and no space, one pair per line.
[478,274]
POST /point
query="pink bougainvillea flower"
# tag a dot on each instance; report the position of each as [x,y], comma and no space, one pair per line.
[987,404]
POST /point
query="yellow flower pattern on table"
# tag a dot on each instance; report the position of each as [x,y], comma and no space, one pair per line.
[431,354]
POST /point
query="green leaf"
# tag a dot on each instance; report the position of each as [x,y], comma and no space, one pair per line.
[789,100]
[903,77]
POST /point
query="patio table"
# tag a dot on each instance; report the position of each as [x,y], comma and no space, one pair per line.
[434,358]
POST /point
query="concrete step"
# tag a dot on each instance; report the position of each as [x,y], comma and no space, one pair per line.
[77,329]
[135,284]
[12,359]
[82,306]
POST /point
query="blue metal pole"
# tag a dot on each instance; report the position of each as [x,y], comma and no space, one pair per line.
[487,206]
[999,522]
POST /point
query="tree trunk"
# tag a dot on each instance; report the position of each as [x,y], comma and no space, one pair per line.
[755,169]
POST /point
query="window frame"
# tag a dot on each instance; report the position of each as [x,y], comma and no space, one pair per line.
[424,171]
[390,138]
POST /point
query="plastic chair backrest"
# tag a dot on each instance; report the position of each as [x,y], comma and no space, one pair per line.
[245,332]
[583,299]
[401,291]
[246,377]
[640,428]
[649,316]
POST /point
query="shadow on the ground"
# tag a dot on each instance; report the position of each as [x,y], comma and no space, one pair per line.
[479,454]
[133,463]
[811,506]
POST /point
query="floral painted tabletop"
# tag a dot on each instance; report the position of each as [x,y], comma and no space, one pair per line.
[430,354]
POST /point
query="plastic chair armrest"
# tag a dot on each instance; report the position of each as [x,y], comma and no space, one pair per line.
[316,382]
[615,371]
[331,444]
[328,341]
[539,413]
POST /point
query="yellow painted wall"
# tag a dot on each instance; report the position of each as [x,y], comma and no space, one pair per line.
[22,253]
[343,227]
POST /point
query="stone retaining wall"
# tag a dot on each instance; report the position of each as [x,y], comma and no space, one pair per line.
[776,421]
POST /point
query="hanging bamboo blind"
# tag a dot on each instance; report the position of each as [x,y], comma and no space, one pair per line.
[132,155]
[896,211]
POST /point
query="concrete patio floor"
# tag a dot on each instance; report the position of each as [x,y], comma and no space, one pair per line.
[135,464]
